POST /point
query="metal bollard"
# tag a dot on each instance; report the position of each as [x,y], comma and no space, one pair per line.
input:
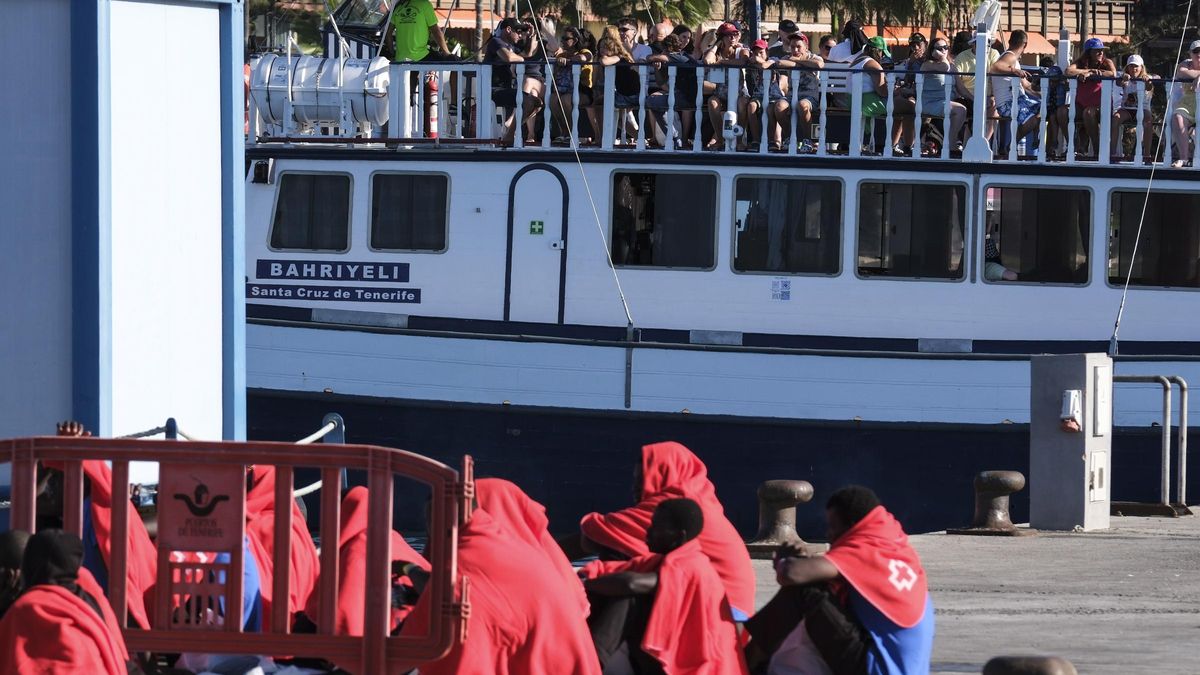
[777,500]
[1029,665]
[992,490]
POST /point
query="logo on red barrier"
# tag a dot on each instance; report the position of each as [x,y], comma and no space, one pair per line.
[201,507]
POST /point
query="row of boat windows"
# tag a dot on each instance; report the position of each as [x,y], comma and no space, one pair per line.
[794,226]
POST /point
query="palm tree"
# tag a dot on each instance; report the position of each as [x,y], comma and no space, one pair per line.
[688,12]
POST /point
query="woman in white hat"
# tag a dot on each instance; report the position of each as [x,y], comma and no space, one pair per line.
[1127,108]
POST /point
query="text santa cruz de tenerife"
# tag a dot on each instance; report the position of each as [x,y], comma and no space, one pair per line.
[317,270]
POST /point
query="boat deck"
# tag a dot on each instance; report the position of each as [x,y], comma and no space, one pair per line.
[1117,601]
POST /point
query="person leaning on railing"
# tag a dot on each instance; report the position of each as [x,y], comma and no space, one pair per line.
[685,84]
[1025,106]
[801,65]
[875,91]
[964,83]
[726,52]
[933,92]
[1183,117]
[610,51]
[1127,108]
[570,52]
[1090,69]
[501,52]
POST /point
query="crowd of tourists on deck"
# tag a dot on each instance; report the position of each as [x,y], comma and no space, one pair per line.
[778,81]
[663,586]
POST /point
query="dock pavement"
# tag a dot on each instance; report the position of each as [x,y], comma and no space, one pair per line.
[1123,600]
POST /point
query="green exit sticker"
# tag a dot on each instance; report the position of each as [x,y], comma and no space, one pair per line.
[537,227]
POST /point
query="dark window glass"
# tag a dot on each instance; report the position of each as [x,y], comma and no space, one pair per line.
[788,225]
[664,220]
[1037,235]
[914,231]
[1169,251]
[408,212]
[312,213]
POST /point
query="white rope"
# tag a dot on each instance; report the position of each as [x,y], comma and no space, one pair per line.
[573,135]
[318,434]
[1137,239]
[179,432]
[307,490]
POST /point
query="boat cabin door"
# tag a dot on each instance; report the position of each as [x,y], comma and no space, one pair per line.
[535,276]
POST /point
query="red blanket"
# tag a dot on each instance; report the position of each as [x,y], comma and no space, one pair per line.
[691,628]
[142,562]
[521,621]
[526,519]
[876,559]
[260,531]
[352,557]
[670,470]
[50,630]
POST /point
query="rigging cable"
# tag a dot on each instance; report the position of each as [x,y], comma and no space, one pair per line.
[573,137]
[1112,341]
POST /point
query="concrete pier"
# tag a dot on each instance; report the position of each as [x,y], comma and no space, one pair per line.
[1122,600]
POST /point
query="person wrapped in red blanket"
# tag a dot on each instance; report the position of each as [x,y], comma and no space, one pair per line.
[864,606]
[666,611]
[352,557]
[522,622]
[526,519]
[667,471]
[260,534]
[61,622]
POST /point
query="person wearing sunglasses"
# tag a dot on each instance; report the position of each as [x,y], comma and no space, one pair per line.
[933,91]
[571,51]
[1183,118]
[827,42]
[1090,69]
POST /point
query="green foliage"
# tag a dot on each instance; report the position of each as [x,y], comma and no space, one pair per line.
[687,12]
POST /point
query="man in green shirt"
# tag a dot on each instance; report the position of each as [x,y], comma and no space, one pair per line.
[413,21]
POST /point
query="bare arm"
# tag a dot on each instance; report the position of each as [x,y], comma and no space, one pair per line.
[800,571]
[623,584]
[439,38]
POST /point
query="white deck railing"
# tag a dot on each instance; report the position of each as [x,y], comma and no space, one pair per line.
[463,113]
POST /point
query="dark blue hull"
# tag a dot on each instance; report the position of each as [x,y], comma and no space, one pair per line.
[575,461]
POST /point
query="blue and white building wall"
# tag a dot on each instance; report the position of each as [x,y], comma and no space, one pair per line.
[121,217]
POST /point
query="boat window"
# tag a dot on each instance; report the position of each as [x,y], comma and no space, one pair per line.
[1168,253]
[408,211]
[664,219]
[312,212]
[911,230]
[787,225]
[1037,235]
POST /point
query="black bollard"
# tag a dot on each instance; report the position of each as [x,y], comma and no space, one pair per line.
[777,500]
[1029,665]
[992,490]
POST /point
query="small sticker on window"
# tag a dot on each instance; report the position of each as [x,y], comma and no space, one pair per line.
[781,289]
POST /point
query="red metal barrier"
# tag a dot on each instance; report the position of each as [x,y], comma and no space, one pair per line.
[374,652]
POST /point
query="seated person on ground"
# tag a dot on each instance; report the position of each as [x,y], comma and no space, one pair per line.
[669,470]
[12,549]
[863,607]
[524,618]
[409,570]
[303,566]
[993,269]
[141,563]
[666,611]
[525,519]
[61,623]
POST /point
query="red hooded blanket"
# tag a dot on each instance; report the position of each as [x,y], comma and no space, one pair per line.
[526,519]
[352,557]
[260,531]
[142,562]
[691,628]
[50,630]
[670,470]
[876,559]
[522,622]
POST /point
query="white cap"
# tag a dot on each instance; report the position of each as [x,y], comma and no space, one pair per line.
[1195,45]
[1135,60]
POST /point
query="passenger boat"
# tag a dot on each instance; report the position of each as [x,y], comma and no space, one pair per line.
[549,307]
